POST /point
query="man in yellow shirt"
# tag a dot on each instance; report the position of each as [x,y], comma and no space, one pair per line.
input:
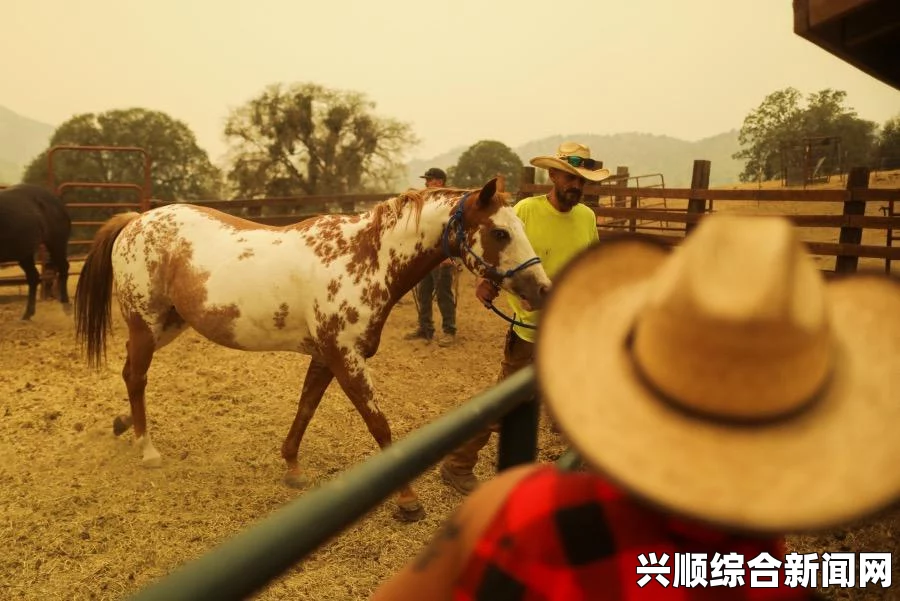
[558,227]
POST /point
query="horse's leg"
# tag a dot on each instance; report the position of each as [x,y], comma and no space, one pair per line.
[171,326]
[353,376]
[57,252]
[139,354]
[33,278]
[318,377]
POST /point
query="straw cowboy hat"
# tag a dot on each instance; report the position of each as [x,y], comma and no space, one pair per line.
[574,158]
[727,380]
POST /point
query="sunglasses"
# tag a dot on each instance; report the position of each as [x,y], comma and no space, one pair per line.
[582,162]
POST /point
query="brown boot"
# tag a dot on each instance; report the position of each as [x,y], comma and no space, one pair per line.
[462,482]
[417,334]
[456,470]
[445,339]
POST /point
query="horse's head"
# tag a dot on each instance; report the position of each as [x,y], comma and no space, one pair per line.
[487,235]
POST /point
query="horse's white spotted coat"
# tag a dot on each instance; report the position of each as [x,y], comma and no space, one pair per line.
[271,286]
[323,287]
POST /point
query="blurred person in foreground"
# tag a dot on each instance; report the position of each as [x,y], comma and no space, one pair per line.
[722,395]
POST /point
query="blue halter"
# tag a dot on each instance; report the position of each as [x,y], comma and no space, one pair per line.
[457,226]
[457,223]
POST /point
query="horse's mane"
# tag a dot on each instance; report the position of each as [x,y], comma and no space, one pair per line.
[412,200]
[388,212]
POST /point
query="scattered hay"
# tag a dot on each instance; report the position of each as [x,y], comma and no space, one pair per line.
[80,519]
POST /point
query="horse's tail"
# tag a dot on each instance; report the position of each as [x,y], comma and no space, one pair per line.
[94,289]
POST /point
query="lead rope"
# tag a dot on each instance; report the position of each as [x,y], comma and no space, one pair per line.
[512,320]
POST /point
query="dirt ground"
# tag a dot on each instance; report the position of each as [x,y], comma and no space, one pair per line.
[81,519]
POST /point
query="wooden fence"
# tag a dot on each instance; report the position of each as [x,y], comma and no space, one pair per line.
[843,229]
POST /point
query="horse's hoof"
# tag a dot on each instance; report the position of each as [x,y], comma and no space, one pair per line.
[412,512]
[153,461]
[121,424]
[295,480]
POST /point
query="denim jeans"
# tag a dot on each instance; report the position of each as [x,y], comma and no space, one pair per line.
[439,280]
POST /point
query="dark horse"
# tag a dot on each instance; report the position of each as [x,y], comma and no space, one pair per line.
[31,215]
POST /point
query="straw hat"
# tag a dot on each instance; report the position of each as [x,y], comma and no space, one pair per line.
[727,380]
[574,158]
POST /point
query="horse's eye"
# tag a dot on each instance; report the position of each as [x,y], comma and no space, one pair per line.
[500,235]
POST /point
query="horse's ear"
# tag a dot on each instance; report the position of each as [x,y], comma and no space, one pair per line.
[487,193]
[501,183]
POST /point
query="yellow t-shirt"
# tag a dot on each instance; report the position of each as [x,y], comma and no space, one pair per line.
[556,238]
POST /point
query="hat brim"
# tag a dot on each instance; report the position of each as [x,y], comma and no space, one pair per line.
[830,465]
[547,162]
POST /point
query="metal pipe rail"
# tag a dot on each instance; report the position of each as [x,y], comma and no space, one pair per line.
[247,562]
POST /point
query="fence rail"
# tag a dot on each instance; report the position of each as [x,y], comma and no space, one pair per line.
[681,216]
[656,219]
[782,195]
[836,235]
[251,559]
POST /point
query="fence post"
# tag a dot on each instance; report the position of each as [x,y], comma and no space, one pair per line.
[858,178]
[526,179]
[621,175]
[699,181]
[518,436]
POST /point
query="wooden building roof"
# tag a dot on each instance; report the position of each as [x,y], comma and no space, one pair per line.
[864,33]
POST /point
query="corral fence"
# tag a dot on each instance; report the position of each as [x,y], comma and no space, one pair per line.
[251,559]
[86,217]
[833,228]
[247,562]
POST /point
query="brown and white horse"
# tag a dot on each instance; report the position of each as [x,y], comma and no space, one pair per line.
[322,287]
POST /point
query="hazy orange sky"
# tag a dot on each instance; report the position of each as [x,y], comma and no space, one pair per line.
[458,71]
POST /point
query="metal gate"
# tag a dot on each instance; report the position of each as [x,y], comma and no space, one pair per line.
[78,246]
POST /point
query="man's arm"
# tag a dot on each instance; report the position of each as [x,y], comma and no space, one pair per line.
[433,573]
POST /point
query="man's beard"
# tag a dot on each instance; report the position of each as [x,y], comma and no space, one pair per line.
[568,197]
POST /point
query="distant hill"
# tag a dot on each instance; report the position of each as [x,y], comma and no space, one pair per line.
[21,139]
[10,172]
[641,153]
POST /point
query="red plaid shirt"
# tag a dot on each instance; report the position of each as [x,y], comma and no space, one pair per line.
[573,536]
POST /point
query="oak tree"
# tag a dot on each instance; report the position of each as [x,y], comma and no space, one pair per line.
[782,121]
[179,170]
[305,139]
[483,161]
